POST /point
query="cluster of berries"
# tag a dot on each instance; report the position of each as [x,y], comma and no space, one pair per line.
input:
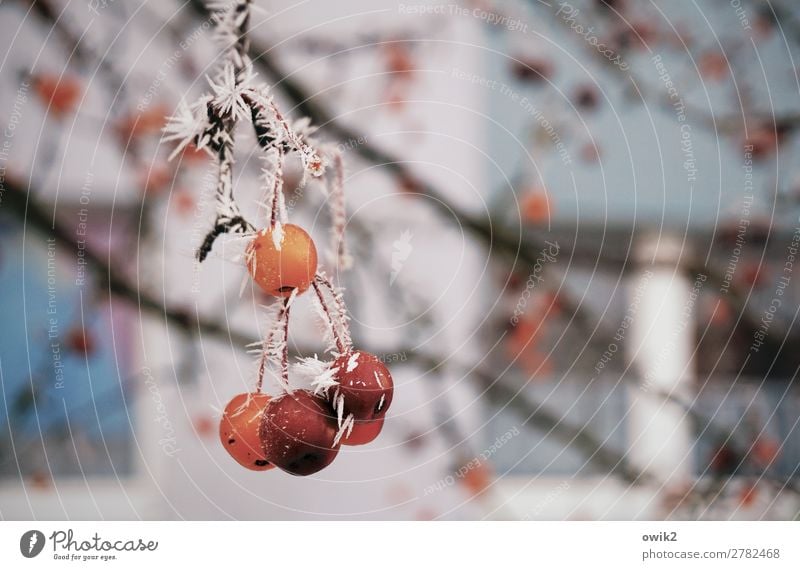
[301,431]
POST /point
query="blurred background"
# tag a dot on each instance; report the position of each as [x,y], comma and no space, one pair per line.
[575,228]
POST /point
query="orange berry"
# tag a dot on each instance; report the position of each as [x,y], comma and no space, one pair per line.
[238,430]
[281,264]
[147,122]
[203,426]
[477,479]
[535,206]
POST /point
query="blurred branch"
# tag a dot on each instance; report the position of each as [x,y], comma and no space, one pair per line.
[515,246]
[76,45]
[17,200]
[494,388]
[735,123]
[497,238]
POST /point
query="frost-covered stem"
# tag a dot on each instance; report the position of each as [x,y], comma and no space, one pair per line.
[219,133]
[225,173]
[281,319]
[277,187]
[338,213]
[262,368]
[312,161]
[273,131]
[241,59]
[340,310]
[340,346]
[228,219]
[285,355]
[262,365]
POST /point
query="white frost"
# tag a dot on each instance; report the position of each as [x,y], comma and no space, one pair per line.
[353,361]
[277,236]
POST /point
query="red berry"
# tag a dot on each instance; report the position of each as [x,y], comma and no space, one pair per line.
[365,383]
[147,122]
[364,432]
[203,425]
[238,430]
[60,94]
[80,341]
[280,271]
[297,433]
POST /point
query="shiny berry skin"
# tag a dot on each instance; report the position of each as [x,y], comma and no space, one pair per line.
[238,430]
[364,432]
[365,383]
[279,266]
[297,433]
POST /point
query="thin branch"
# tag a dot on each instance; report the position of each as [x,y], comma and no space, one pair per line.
[329,318]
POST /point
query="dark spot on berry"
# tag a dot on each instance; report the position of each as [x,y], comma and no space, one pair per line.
[231,441]
[261,462]
[299,464]
[285,289]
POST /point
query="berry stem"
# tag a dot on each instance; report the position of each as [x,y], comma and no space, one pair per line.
[220,133]
[282,317]
[277,186]
[262,367]
[285,356]
[341,310]
[340,345]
